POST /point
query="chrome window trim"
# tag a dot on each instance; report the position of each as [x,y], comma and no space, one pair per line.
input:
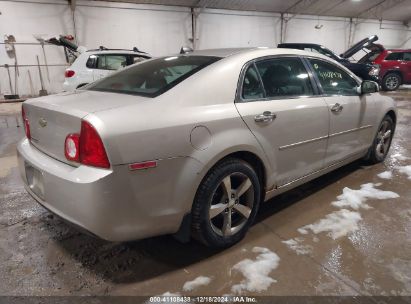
[240,99]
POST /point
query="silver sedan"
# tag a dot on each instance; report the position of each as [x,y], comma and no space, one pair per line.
[192,144]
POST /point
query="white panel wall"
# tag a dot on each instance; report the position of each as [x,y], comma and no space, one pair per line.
[23,20]
[333,33]
[161,30]
[222,28]
[158,30]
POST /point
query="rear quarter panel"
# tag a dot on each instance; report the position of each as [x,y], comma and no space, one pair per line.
[162,129]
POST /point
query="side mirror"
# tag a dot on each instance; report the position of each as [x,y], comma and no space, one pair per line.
[368,86]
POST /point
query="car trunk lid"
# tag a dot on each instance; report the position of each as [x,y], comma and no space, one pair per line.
[52,118]
[364,43]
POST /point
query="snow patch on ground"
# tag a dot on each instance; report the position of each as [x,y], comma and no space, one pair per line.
[355,199]
[296,245]
[256,272]
[385,175]
[337,224]
[399,156]
[197,282]
[405,170]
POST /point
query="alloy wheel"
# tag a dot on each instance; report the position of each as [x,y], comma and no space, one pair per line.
[391,82]
[231,204]
[383,139]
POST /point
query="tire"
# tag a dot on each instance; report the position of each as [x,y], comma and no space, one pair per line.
[230,190]
[381,145]
[391,82]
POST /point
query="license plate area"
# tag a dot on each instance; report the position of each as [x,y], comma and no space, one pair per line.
[35,180]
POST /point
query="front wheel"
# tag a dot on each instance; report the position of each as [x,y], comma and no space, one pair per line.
[226,204]
[382,141]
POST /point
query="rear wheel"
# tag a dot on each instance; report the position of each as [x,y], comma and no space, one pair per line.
[382,141]
[226,204]
[391,82]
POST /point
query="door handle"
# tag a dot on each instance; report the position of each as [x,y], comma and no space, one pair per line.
[337,108]
[267,116]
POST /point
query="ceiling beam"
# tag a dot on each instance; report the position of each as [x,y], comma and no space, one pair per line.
[299,6]
[376,11]
[331,7]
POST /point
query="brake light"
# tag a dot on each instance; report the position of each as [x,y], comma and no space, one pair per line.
[26,123]
[92,150]
[86,148]
[69,73]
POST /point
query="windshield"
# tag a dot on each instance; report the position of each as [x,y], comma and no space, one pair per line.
[324,51]
[369,57]
[153,77]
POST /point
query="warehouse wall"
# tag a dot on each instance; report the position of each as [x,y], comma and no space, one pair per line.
[23,20]
[160,30]
[155,29]
[222,28]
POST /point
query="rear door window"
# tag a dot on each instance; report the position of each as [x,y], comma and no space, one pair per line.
[284,77]
[111,62]
[107,61]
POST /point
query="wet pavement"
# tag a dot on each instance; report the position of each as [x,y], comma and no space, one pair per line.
[41,255]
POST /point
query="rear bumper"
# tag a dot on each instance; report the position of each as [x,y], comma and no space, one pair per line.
[115,204]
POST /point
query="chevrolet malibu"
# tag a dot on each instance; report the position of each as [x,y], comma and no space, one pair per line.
[192,144]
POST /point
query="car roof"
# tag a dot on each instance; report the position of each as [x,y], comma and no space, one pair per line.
[254,51]
[301,44]
[243,55]
[222,52]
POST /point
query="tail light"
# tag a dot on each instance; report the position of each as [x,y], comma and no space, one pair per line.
[26,123]
[86,148]
[69,73]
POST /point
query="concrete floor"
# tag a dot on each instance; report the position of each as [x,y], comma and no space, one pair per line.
[41,255]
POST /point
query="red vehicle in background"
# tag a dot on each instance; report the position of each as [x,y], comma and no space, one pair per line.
[395,65]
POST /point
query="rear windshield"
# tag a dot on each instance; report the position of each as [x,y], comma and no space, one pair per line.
[154,77]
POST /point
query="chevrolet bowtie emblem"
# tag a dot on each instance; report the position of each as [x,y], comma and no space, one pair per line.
[42,122]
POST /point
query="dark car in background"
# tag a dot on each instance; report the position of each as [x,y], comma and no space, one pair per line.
[365,70]
[395,65]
